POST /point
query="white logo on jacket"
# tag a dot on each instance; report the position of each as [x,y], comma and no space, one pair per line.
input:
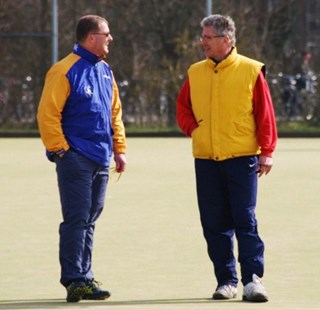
[88,90]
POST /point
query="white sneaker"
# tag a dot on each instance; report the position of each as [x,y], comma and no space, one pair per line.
[255,291]
[225,292]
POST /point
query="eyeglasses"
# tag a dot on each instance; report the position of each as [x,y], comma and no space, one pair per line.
[102,34]
[209,38]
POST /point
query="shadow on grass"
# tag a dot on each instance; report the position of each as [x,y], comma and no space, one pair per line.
[61,303]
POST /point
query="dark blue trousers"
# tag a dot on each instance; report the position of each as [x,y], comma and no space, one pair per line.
[82,186]
[227,194]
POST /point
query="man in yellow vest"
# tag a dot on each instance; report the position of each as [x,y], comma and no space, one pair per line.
[226,107]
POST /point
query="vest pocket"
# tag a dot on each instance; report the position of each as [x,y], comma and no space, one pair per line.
[243,126]
[201,143]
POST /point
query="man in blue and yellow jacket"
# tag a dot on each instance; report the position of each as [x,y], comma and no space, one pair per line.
[80,122]
[226,107]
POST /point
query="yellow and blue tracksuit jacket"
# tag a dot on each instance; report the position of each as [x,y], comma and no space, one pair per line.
[80,108]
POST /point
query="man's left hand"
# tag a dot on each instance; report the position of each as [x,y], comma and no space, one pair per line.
[264,165]
[121,162]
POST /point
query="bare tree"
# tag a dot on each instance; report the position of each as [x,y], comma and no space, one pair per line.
[155,41]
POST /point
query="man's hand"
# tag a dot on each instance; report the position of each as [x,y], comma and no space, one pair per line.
[121,162]
[264,165]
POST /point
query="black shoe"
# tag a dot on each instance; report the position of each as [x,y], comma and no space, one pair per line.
[76,290]
[94,292]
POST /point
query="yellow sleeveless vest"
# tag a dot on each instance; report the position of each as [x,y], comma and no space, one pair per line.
[221,97]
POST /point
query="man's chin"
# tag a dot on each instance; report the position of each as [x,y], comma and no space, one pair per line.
[208,54]
[101,57]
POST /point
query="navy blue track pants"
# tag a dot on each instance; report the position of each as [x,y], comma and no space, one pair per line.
[82,186]
[227,195]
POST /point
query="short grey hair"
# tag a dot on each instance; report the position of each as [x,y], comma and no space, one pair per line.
[221,25]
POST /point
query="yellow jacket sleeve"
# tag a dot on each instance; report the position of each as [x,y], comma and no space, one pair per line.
[119,138]
[55,93]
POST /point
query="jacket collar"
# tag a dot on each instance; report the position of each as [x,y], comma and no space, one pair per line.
[225,62]
[83,53]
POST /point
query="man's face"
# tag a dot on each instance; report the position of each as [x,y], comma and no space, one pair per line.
[101,40]
[212,43]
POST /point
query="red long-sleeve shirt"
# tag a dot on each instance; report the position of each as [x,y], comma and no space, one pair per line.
[262,110]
